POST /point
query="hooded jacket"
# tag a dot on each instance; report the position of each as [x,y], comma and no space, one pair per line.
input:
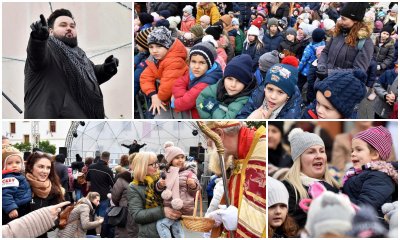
[309,56]
[187,88]
[384,55]
[167,70]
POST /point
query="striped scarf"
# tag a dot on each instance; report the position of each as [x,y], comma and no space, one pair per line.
[152,198]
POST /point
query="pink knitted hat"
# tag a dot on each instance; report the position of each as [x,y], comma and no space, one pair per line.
[172,152]
[379,138]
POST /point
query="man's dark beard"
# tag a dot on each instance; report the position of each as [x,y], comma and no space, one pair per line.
[72,42]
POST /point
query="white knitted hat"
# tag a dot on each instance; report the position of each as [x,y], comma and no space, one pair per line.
[277,192]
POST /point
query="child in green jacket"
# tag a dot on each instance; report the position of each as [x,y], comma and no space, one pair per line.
[227,97]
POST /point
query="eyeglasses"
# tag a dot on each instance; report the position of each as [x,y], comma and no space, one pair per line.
[154,164]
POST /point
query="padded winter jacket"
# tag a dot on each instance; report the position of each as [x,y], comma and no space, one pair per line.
[167,70]
[16,191]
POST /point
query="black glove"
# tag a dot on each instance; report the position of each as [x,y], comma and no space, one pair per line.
[40,29]
[111,64]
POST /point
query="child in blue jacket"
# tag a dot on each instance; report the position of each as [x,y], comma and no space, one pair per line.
[16,194]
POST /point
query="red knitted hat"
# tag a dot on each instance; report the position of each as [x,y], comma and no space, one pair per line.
[257,22]
[379,138]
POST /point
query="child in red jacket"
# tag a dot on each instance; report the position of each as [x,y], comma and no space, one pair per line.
[203,71]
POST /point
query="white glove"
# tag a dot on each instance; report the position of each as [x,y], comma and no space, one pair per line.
[217,218]
[378,67]
[229,217]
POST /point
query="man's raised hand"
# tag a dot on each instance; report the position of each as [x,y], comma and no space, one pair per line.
[40,29]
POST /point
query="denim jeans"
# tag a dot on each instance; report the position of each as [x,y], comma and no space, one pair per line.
[101,210]
[165,226]
[78,194]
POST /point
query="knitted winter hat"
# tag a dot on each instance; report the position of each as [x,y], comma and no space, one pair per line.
[160,36]
[172,152]
[344,90]
[145,18]
[165,14]
[366,224]
[215,30]
[291,60]
[262,13]
[277,124]
[209,38]
[235,21]
[378,25]
[206,50]
[257,22]
[283,76]
[272,21]
[387,28]
[328,24]
[174,21]
[307,28]
[329,213]
[141,38]
[267,60]
[291,31]
[318,35]
[172,188]
[253,30]
[300,141]
[162,22]
[188,9]
[205,18]
[354,10]
[240,67]
[395,8]
[8,151]
[379,138]
[197,30]
[277,192]
[227,19]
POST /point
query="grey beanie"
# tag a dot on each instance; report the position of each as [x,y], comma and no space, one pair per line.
[291,31]
[267,60]
[300,141]
[277,192]
[273,21]
[161,36]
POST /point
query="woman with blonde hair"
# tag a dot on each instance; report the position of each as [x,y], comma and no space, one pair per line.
[82,217]
[351,46]
[310,165]
[144,203]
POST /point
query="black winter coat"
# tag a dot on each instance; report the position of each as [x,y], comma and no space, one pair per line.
[101,179]
[384,55]
[370,187]
[292,47]
[255,54]
[272,43]
[47,92]
[294,210]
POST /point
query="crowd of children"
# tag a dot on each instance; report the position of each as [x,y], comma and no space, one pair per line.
[323,60]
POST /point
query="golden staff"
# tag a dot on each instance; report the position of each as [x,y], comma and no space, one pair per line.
[220,149]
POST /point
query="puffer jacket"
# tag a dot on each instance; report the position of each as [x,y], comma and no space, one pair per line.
[145,218]
[210,10]
[187,195]
[167,70]
[384,55]
[16,191]
[370,187]
[119,197]
[291,110]
[272,43]
[338,54]
[223,111]
[187,23]
[79,221]
[187,88]
[292,47]
[309,56]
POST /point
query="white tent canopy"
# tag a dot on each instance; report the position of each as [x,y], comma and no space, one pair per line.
[108,136]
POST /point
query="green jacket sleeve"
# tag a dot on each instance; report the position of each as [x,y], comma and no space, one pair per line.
[208,92]
[232,109]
